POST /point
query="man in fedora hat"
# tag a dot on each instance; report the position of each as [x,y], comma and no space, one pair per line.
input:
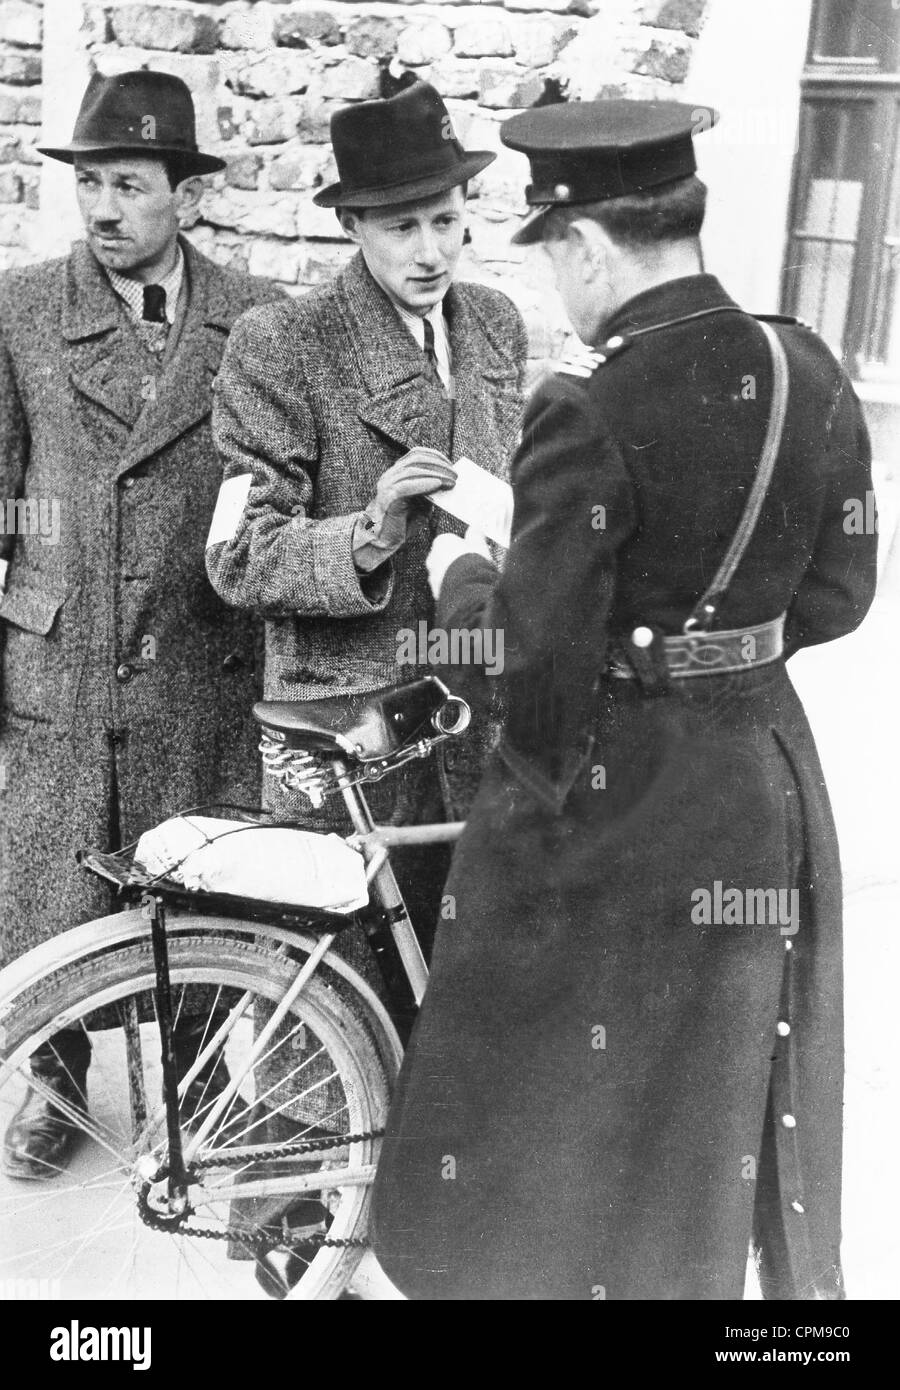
[337,414]
[635,1017]
[126,681]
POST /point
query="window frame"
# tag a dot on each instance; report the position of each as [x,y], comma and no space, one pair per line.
[845,81]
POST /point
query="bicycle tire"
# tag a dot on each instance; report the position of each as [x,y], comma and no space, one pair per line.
[63,982]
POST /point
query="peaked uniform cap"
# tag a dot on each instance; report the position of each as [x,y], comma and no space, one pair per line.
[149,113]
[590,151]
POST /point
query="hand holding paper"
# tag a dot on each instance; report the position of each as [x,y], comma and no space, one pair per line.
[446,548]
[384,525]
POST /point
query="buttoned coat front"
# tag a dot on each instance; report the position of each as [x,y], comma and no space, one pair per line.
[315,400]
[126,681]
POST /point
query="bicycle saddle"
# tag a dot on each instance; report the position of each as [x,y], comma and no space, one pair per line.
[368,724]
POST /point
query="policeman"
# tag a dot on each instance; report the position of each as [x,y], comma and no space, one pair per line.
[629,1060]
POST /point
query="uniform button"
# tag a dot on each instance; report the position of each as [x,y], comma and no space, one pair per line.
[798,1207]
[128,482]
[562,191]
[232,662]
[782,1029]
[124,673]
[642,637]
[789,945]
[789,1121]
[615,342]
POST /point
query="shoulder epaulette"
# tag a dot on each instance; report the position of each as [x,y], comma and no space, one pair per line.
[584,362]
[783,318]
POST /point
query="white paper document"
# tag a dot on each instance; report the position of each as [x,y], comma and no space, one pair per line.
[480,500]
[230,506]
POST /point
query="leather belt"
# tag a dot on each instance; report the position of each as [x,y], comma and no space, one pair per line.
[703,653]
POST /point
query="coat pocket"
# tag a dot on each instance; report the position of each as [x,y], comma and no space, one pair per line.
[31,609]
[38,673]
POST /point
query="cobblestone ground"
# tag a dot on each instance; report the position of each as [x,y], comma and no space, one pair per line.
[851,690]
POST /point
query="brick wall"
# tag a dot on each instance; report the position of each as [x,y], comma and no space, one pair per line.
[266,75]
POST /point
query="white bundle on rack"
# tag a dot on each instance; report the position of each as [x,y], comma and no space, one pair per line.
[274,864]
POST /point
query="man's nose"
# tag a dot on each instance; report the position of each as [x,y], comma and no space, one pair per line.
[106,208]
[428,251]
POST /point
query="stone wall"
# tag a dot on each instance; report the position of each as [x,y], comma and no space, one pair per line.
[267,74]
[21,25]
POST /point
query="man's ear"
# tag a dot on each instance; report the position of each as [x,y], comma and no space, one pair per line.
[188,195]
[349,221]
[593,246]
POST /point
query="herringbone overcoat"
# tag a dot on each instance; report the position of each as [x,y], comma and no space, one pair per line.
[126,681]
[315,400]
[613,1082]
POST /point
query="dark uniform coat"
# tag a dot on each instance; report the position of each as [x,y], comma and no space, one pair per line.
[609,1088]
[126,681]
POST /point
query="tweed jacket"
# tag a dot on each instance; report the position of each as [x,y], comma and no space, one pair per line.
[315,400]
[111,628]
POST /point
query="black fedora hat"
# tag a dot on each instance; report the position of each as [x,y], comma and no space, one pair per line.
[397,149]
[150,113]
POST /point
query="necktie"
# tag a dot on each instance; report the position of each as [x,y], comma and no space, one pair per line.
[154,304]
[431,372]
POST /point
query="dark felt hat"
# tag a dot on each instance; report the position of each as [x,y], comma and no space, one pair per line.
[150,113]
[397,149]
[589,151]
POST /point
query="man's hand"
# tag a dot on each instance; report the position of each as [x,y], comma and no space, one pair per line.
[417,474]
[382,527]
[448,547]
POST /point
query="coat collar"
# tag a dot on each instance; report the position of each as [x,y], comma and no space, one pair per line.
[109,366]
[184,390]
[91,305]
[402,404]
[688,294]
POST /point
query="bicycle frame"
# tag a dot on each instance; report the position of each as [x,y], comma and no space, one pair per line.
[375,842]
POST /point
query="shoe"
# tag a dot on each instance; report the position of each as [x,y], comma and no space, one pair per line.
[42,1138]
[300,1230]
[286,1220]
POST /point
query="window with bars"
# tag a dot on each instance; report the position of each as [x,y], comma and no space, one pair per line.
[843,257]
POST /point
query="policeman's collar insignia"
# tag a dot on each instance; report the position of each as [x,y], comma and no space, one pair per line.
[584,362]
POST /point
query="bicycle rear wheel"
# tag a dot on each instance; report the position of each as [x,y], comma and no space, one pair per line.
[264,1215]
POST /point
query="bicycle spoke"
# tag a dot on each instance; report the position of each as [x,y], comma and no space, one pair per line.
[291,1046]
[80,1119]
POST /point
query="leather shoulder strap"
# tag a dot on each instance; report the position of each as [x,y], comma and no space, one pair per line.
[708,604]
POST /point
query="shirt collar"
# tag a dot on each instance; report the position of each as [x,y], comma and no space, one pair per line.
[132,291]
[416,327]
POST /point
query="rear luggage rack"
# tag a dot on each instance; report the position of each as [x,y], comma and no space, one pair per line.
[132,882]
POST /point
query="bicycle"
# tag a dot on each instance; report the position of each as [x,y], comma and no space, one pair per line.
[159,1204]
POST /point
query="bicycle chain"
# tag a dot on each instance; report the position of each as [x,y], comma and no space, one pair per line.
[291,1149]
[184,1225]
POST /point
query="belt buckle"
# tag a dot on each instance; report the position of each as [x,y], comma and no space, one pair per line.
[698,652]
